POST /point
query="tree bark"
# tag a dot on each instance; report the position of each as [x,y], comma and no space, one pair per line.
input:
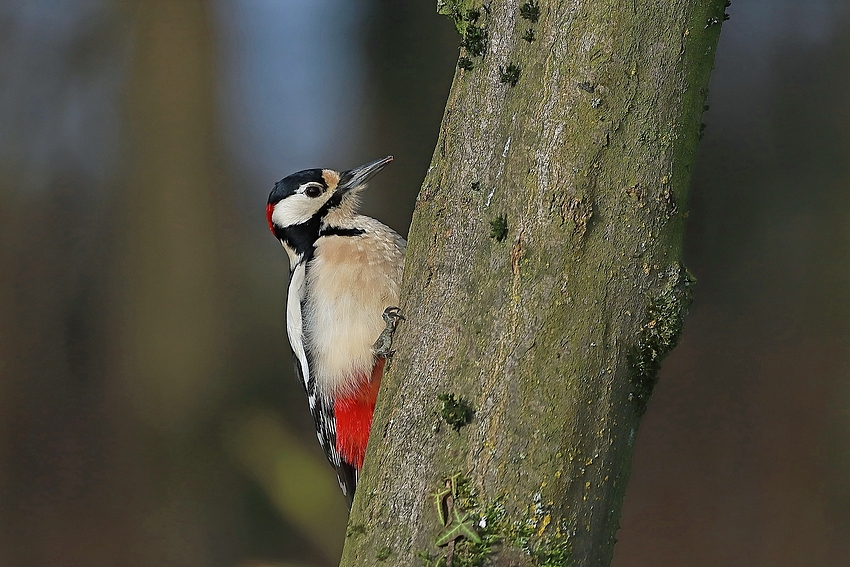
[543,284]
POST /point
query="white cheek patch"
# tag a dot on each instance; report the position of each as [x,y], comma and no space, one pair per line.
[297,209]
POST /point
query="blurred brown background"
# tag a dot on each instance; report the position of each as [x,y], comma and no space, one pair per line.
[148,415]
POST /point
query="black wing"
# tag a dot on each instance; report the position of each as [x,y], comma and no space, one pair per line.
[323,417]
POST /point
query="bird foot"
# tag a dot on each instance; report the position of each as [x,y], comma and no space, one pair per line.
[383,346]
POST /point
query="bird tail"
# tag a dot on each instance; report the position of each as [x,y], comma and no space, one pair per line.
[347,476]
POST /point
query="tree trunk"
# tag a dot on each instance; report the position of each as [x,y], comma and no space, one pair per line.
[543,284]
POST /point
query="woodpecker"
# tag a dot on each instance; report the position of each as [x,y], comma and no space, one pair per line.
[345,270]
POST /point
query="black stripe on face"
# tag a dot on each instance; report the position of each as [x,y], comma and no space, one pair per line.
[339,231]
[301,237]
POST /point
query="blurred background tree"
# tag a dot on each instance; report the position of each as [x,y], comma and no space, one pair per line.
[148,415]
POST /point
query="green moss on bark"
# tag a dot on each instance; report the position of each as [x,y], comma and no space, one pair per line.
[455,411]
[660,333]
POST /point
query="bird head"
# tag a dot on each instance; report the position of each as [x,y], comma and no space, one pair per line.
[304,199]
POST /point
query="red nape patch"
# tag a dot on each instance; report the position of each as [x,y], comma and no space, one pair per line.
[269,211]
[354,418]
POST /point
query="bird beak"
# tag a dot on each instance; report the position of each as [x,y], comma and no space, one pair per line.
[356,177]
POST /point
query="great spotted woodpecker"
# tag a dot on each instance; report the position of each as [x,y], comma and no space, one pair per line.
[345,270]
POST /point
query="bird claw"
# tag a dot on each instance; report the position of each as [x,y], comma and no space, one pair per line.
[392,315]
[383,346]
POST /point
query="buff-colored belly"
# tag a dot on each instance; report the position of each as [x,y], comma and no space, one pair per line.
[351,280]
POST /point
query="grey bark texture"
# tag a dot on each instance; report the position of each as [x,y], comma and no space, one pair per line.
[543,284]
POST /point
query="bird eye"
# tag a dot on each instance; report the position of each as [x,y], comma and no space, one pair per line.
[313,191]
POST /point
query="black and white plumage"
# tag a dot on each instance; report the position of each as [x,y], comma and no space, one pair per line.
[345,270]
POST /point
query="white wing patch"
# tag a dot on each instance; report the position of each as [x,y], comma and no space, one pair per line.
[321,410]
[294,326]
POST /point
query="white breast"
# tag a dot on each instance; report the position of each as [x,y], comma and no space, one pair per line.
[350,281]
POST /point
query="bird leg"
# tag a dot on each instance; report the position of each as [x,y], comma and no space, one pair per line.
[383,346]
